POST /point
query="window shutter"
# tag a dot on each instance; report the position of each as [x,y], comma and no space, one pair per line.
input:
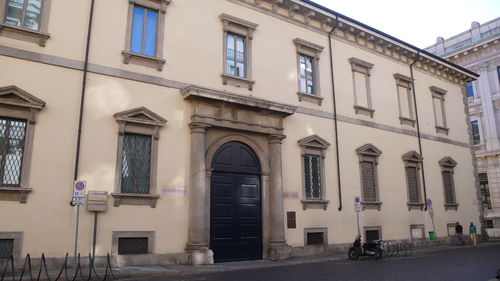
[448,188]
[368,181]
[412,179]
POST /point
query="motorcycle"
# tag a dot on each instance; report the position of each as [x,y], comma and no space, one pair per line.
[369,249]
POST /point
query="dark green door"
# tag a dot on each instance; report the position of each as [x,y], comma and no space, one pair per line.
[235,211]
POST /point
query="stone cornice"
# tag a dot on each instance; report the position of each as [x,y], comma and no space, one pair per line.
[313,18]
[249,101]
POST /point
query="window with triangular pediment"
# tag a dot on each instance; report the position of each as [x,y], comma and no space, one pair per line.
[368,160]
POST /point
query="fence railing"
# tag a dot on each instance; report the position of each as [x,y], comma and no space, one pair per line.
[394,248]
[12,273]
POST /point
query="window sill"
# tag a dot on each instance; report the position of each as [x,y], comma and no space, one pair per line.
[140,59]
[237,81]
[407,121]
[134,199]
[442,130]
[364,110]
[371,205]
[451,207]
[24,34]
[415,206]
[315,204]
[14,194]
[312,98]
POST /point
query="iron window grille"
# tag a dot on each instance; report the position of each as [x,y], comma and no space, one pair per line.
[315,238]
[369,181]
[136,163]
[312,176]
[413,189]
[448,187]
[133,246]
[12,139]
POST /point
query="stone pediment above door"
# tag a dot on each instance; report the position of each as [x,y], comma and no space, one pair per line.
[235,111]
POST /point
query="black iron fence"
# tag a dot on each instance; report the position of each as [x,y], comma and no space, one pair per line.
[12,273]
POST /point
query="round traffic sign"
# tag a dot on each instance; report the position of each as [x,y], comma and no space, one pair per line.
[429,202]
[356,199]
[80,186]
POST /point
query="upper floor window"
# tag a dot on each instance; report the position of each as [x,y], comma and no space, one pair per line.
[485,190]
[235,55]
[25,13]
[308,55]
[447,170]
[137,157]
[413,164]
[18,114]
[25,20]
[470,89]
[368,160]
[361,86]
[237,64]
[405,101]
[475,132]
[439,110]
[145,33]
[313,171]
[144,30]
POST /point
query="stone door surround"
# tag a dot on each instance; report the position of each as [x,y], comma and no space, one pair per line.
[256,122]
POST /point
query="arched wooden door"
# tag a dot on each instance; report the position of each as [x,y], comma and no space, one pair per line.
[235,204]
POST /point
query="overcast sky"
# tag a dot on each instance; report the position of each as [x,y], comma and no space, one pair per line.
[417,22]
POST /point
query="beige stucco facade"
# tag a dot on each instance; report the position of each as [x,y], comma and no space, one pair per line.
[194,109]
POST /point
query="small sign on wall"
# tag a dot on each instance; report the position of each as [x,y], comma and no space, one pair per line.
[174,190]
[97,201]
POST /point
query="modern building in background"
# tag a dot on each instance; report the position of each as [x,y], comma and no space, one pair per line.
[478,49]
[223,130]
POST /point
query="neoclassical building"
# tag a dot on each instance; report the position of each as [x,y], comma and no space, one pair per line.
[478,49]
[223,130]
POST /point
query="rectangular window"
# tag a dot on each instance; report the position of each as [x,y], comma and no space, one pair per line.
[12,136]
[144,30]
[413,184]
[404,102]
[24,13]
[136,163]
[6,248]
[291,220]
[372,233]
[470,89]
[368,181]
[132,245]
[312,171]
[475,132]
[361,86]
[439,109]
[485,190]
[315,238]
[361,89]
[306,72]
[488,224]
[235,55]
[448,187]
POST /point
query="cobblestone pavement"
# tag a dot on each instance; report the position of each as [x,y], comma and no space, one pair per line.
[457,264]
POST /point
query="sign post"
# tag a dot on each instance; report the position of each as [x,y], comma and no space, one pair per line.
[78,200]
[357,209]
[431,213]
[97,201]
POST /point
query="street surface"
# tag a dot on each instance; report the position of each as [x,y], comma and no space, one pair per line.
[460,264]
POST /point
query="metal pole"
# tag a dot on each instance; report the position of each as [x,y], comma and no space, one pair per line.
[95,235]
[357,218]
[76,230]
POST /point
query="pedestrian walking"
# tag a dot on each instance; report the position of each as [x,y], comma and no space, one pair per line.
[459,234]
[473,233]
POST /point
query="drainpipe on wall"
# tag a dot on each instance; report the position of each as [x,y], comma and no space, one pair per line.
[80,119]
[335,111]
[418,129]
